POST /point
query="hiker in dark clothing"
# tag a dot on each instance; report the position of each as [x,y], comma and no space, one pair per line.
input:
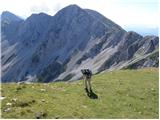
[87,74]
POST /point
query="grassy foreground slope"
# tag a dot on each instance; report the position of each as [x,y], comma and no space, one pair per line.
[121,94]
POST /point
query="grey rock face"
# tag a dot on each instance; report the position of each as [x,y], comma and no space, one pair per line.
[9,26]
[149,60]
[52,48]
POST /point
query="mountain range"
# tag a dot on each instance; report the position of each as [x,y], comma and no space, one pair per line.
[48,48]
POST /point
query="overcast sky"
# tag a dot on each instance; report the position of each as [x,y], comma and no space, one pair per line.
[126,13]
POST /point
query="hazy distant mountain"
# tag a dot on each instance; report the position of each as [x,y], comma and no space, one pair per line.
[143,30]
[49,48]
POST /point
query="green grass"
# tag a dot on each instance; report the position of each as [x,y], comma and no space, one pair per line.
[121,94]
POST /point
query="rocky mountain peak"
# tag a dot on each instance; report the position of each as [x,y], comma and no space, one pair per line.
[52,48]
[38,16]
[68,13]
[70,8]
[9,17]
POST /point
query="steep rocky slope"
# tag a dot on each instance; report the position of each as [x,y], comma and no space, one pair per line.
[50,48]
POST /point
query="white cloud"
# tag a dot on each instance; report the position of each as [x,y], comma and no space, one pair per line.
[41,8]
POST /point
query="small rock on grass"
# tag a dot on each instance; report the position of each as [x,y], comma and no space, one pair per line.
[7,109]
[43,90]
[14,99]
[46,84]
[152,89]
[56,117]
[84,106]
[43,100]
[8,104]
[40,115]
[140,112]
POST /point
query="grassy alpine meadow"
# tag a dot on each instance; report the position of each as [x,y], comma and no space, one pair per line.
[121,94]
